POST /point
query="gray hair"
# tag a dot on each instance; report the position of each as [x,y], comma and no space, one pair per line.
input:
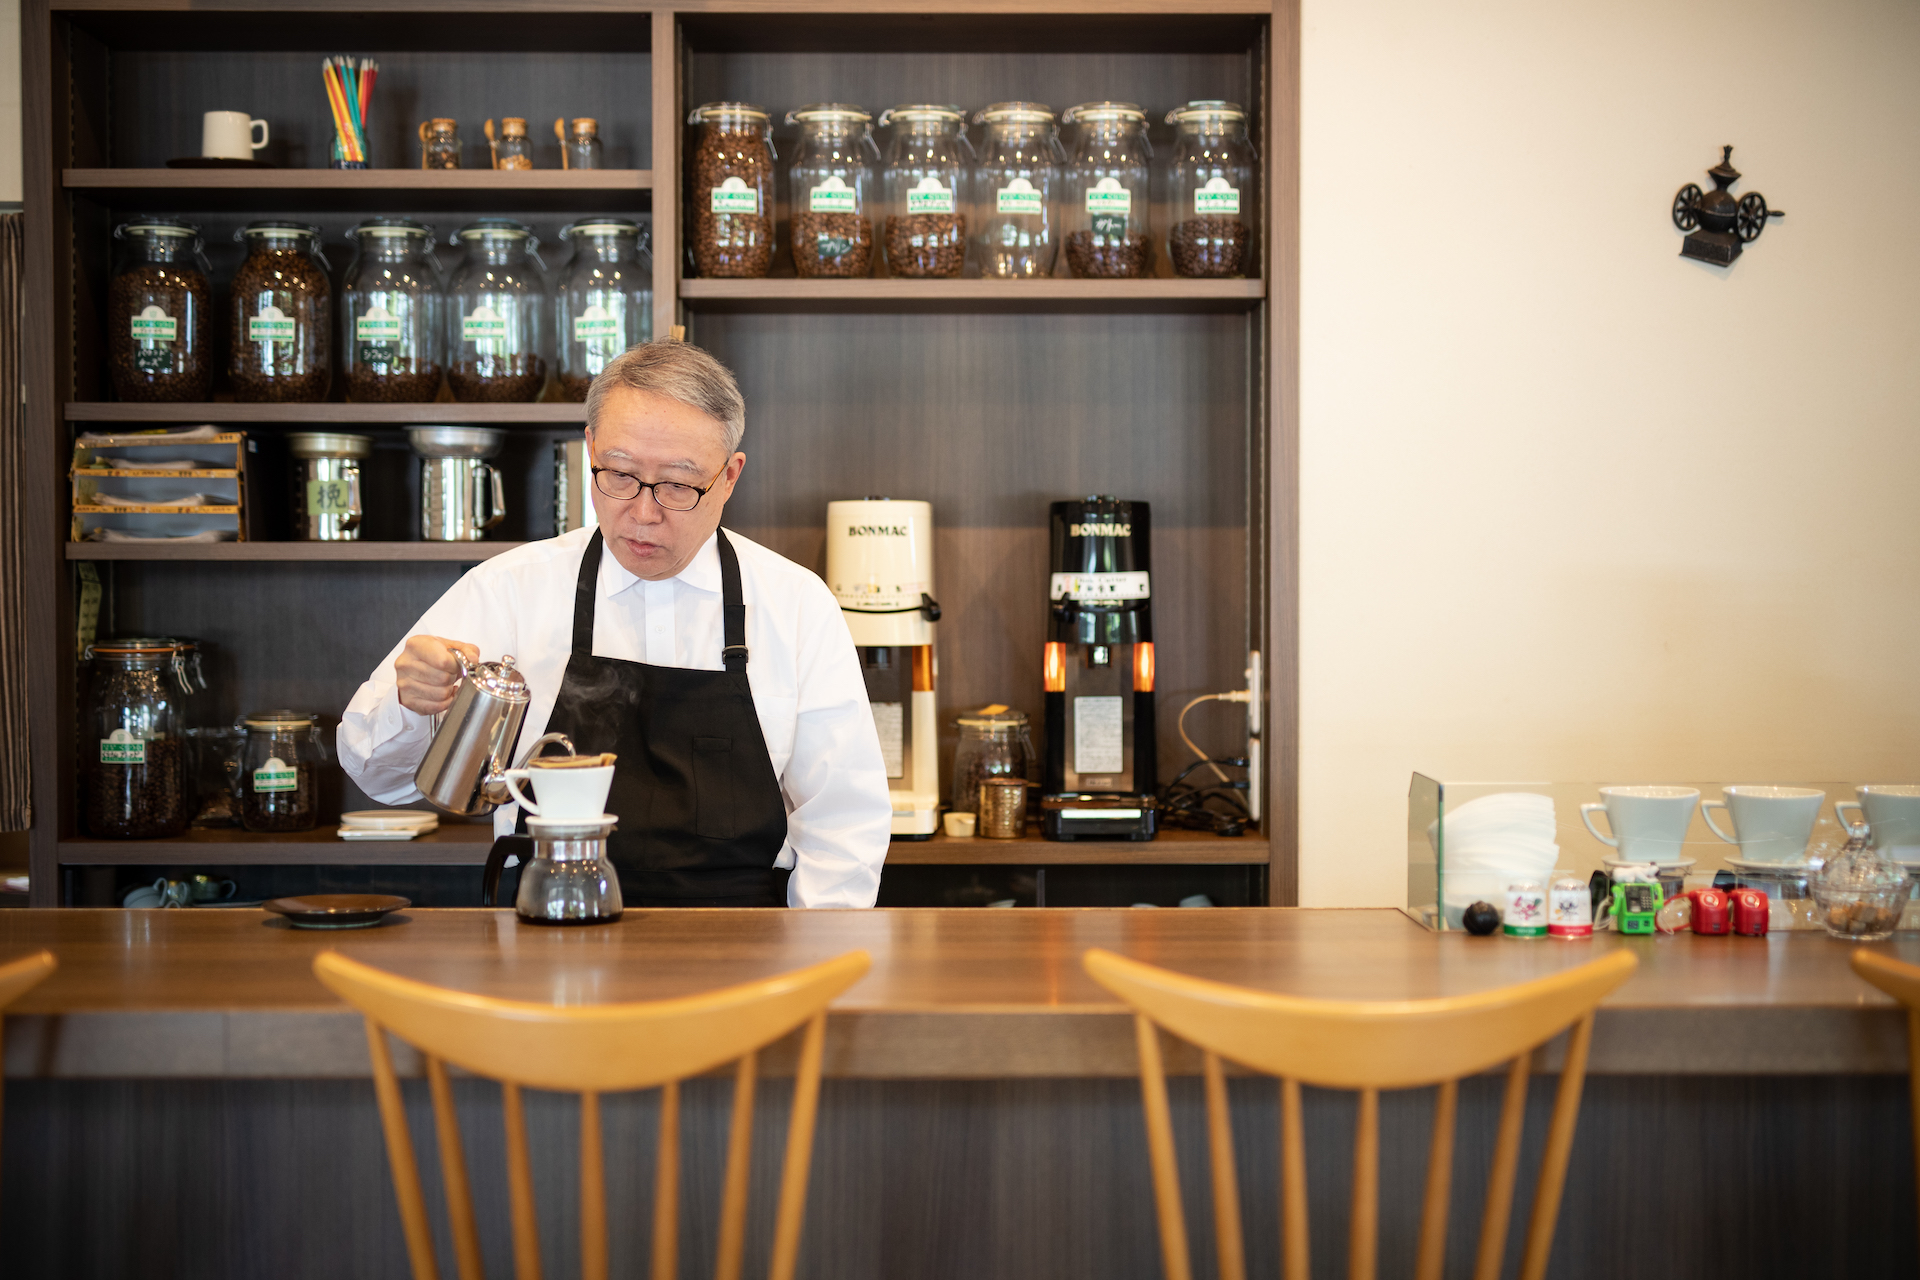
[675,371]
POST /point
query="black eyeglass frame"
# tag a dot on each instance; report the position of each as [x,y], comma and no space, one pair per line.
[699,492]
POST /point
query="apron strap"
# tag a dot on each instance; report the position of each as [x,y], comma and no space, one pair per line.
[583,596]
[733,607]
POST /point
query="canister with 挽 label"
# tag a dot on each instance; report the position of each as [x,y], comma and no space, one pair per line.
[325,494]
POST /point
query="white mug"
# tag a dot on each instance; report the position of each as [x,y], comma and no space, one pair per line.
[1649,823]
[1771,824]
[567,795]
[228,135]
[1892,816]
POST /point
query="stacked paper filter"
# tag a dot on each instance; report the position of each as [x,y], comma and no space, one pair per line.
[1492,842]
[387,824]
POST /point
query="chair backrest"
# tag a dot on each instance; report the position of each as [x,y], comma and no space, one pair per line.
[590,1050]
[1366,1046]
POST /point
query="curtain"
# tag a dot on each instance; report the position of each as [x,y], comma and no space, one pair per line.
[16,799]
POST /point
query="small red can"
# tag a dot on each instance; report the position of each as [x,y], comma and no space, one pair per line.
[1711,911]
[1750,912]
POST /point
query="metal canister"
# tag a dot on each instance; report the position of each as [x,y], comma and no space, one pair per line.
[326,484]
[1750,913]
[1712,913]
[1525,913]
[1003,808]
[1570,909]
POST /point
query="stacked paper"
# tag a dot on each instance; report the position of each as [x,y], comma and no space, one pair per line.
[1492,842]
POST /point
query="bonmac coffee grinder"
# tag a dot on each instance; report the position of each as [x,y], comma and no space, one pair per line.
[880,566]
[1101,774]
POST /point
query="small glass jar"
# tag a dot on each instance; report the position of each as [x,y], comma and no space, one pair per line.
[1017,191]
[730,190]
[1211,191]
[923,184]
[580,145]
[439,144]
[496,304]
[994,743]
[831,185]
[1861,892]
[276,783]
[390,321]
[157,313]
[281,305]
[136,775]
[512,149]
[605,300]
[1104,210]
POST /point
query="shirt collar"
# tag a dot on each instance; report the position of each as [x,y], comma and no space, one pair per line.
[702,572]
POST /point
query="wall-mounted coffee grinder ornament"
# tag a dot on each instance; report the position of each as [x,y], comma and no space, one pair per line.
[1719,224]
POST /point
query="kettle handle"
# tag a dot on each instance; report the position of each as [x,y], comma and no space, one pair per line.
[520,846]
[543,740]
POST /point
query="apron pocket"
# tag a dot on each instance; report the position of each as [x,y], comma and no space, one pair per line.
[713,770]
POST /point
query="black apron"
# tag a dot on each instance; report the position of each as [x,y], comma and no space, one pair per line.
[701,814]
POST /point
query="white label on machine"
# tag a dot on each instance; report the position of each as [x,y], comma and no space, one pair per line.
[1097,735]
[890,722]
[1101,586]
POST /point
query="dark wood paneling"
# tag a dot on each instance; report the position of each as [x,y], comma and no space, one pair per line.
[159,97]
[454,844]
[257,192]
[536,26]
[1281,422]
[1158,297]
[1108,30]
[304,415]
[456,552]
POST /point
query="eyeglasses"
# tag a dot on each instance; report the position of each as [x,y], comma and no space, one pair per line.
[670,494]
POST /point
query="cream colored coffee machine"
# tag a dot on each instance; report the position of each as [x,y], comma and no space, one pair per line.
[880,566]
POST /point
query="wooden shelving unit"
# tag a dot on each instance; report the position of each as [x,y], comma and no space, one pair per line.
[988,398]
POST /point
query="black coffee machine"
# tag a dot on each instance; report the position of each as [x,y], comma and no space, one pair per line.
[1101,774]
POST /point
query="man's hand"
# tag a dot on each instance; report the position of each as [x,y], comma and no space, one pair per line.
[429,673]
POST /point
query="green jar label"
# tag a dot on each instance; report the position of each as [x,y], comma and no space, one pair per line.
[832,196]
[378,325]
[121,747]
[329,498]
[483,325]
[154,325]
[930,197]
[270,325]
[1019,197]
[596,324]
[275,775]
[1108,196]
[733,196]
[1216,197]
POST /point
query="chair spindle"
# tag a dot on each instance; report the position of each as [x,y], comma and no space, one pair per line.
[1431,1260]
[666,1186]
[1226,1185]
[1506,1163]
[1293,1183]
[406,1170]
[526,1218]
[593,1191]
[453,1173]
[733,1197]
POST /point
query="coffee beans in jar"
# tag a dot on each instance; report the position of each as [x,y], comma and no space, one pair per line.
[496,311]
[281,347]
[1107,197]
[1211,187]
[925,168]
[275,780]
[135,765]
[830,191]
[391,325]
[157,326]
[730,190]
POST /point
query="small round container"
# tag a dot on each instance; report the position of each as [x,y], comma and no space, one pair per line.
[513,149]
[730,190]
[1570,909]
[1003,808]
[1861,893]
[440,144]
[580,143]
[1211,191]
[497,306]
[830,188]
[604,303]
[994,743]
[1104,212]
[137,784]
[157,313]
[391,324]
[281,304]
[1017,185]
[276,785]
[1524,914]
[923,190]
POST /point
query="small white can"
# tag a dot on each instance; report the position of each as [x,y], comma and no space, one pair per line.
[1570,909]
[1525,915]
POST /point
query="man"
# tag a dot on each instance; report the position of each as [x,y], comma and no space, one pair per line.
[746,745]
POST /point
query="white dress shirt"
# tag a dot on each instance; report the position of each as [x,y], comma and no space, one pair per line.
[802,667]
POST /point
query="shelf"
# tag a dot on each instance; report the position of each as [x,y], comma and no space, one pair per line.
[300,415]
[972,295]
[388,552]
[1173,847]
[414,190]
[454,844]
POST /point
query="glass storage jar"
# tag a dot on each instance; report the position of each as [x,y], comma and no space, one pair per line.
[495,308]
[439,144]
[280,301]
[157,313]
[276,784]
[136,775]
[605,300]
[512,149]
[923,184]
[1017,191]
[730,190]
[1211,190]
[390,322]
[994,743]
[580,147]
[1104,209]
[832,180]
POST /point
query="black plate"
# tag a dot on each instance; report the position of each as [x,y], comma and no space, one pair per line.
[337,910]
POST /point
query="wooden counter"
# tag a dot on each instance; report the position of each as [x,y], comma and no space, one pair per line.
[954,994]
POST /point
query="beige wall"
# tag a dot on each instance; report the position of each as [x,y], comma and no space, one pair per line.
[1571,507]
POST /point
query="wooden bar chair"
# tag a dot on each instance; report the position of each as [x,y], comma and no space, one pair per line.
[17,977]
[1366,1046]
[591,1050]
[1901,981]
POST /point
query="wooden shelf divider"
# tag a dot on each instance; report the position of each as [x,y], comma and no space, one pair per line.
[300,415]
[558,190]
[378,552]
[792,295]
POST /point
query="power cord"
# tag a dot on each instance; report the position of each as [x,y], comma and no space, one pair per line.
[1221,807]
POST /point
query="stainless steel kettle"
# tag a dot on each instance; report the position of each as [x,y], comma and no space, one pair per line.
[464,769]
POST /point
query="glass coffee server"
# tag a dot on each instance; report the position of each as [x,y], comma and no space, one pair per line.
[605,300]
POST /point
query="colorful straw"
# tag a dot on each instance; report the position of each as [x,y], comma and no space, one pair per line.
[350,96]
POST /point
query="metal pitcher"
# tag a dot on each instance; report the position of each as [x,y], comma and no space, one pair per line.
[472,748]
